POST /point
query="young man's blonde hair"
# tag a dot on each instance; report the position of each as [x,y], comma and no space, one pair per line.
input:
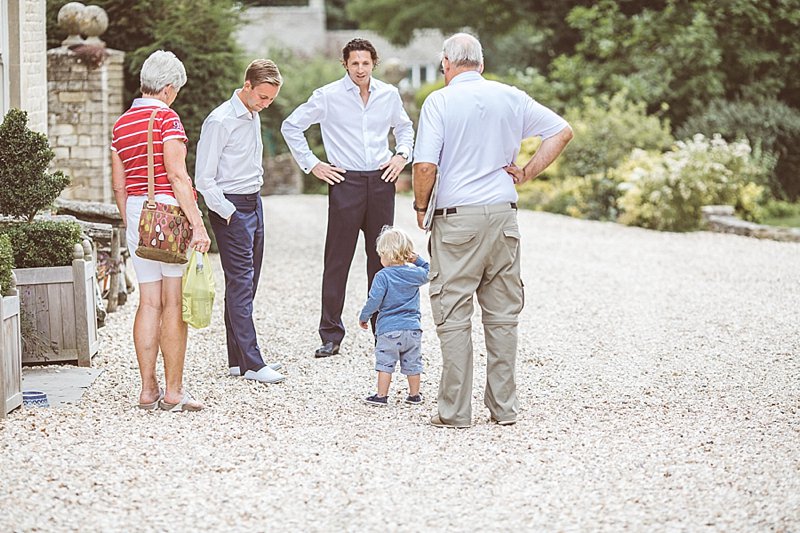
[263,71]
[394,245]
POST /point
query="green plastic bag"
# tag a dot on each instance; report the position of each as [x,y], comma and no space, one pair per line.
[198,291]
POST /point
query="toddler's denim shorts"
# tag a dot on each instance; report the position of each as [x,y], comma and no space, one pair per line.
[403,345]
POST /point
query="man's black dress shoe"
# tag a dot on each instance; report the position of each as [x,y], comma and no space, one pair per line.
[326,350]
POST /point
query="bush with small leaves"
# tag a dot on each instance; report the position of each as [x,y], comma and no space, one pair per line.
[666,191]
[6,263]
[42,243]
[25,185]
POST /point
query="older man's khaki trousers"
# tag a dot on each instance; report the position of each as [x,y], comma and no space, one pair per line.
[475,250]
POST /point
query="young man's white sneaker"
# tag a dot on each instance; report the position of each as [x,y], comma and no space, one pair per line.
[235,372]
[265,375]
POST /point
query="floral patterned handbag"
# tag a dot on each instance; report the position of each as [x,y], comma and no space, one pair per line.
[164,230]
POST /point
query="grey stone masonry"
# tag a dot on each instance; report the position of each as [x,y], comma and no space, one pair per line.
[83,104]
[721,219]
[281,176]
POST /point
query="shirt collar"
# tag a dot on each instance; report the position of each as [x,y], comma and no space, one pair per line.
[470,75]
[239,107]
[350,85]
[145,102]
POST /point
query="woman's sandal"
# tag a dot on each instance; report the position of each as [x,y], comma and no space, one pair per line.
[183,406]
[152,406]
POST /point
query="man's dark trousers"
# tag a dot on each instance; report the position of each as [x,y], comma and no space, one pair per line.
[241,247]
[362,202]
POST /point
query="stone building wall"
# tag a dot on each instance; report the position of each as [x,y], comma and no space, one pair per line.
[84,102]
[24,62]
[33,64]
[267,28]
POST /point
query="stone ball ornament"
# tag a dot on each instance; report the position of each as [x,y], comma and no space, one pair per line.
[93,23]
[70,19]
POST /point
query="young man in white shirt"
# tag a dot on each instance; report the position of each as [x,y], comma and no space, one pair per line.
[229,174]
[355,115]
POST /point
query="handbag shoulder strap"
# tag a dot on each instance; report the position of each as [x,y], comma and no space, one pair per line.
[151,172]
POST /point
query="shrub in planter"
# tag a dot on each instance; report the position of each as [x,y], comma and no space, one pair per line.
[25,189]
[6,263]
[42,243]
[25,185]
[666,191]
[54,289]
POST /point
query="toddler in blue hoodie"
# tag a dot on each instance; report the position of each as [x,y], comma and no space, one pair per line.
[394,295]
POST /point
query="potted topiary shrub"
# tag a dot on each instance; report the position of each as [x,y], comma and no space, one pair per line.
[10,343]
[54,269]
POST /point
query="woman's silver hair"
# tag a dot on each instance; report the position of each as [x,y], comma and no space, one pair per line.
[463,50]
[161,69]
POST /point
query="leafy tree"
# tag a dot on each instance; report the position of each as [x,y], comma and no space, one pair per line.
[25,185]
[671,56]
[530,30]
[760,48]
[336,16]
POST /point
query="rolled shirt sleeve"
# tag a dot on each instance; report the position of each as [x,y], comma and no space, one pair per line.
[213,138]
[430,132]
[295,125]
[541,121]
[403,129]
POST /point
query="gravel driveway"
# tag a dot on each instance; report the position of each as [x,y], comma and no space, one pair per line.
[659,380]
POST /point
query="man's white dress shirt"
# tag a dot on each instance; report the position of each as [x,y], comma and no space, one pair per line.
[229,155]
[471,129]
[355,135]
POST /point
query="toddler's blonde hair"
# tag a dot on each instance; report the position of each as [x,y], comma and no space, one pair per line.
[394,245]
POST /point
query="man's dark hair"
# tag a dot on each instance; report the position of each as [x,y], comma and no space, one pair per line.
[359,45]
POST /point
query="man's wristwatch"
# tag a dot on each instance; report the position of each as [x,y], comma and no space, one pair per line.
[404,155]
[420,209]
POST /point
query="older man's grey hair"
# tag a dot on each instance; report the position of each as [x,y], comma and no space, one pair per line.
[463,50]
[161,69]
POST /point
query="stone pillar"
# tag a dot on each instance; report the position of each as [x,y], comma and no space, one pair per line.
[84,103]
[85,83]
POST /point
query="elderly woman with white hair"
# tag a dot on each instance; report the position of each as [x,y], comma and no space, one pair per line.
[158,324]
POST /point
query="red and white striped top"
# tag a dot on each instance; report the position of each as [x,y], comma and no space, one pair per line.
[129,140]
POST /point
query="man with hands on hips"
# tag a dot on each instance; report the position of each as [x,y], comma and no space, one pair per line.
[470,132]
[355,115]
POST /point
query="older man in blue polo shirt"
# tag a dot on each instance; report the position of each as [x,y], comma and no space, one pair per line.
[471,131]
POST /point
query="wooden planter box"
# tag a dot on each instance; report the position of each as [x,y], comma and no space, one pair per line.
[11,355]
[59,311]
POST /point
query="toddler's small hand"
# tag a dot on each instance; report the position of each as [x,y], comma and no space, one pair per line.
[363,324]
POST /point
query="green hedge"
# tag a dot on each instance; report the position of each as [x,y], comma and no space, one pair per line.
[6,263]
[42,243]
[771,125]
[666,191]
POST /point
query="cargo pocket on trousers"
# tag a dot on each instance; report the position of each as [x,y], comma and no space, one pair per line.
[512,237]
[435,292]
[458,238]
